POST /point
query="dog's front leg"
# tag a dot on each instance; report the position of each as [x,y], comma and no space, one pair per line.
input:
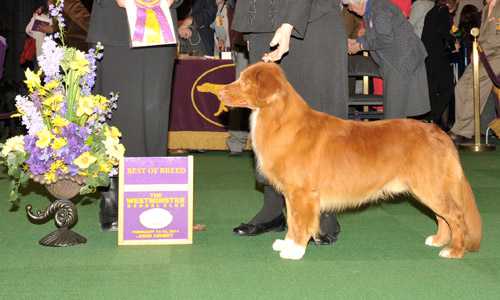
[303,221]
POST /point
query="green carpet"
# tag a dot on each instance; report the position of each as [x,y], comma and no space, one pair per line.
[380,253]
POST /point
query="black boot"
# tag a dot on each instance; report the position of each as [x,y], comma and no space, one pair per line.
[329,229]
[108,213]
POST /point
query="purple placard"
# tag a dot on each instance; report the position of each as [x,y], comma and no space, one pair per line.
[156,170]
[155,215]
[156,200]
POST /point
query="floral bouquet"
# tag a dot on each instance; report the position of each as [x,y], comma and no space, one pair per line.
[67,135]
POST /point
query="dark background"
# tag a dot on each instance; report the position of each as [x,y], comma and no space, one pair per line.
[14,16]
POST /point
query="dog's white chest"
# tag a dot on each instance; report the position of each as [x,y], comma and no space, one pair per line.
[253,128]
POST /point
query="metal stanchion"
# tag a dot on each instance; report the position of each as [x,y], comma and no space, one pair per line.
[476,146]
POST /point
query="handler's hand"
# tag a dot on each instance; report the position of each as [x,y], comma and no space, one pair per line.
[121,3]
[353,46]
[282,40]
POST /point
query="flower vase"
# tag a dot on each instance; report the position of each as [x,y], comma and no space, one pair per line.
[63,210]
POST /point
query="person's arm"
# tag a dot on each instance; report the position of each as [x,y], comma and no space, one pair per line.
[29,26]
[78,13]
[383,36]
[295,18]
[297,13]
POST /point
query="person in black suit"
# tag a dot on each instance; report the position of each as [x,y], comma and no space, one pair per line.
[308,39]
[439,43]
[142,77]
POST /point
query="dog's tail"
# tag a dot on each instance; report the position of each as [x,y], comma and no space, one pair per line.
[472,218]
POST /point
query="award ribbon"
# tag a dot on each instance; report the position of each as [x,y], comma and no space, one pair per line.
[149,15]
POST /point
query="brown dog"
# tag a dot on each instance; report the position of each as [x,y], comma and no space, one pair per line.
[320,162]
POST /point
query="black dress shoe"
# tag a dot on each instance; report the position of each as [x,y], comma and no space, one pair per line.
[111,226]
[323,239]
[277,224]
[459,139]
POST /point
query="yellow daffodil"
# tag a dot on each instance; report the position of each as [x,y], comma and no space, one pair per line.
[105,167]
[79,63]
[51,85]
[59,121]
[32,79]
[112,132]
[50,176]
[59,143]
[58,165]
[13,144]
[44,138]
[85,106]
[85,160]
[54,102]
[101,102]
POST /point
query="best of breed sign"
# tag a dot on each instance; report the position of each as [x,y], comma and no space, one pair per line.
[150,23]
[155,201]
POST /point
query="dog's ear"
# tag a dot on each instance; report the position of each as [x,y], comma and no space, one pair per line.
[270,80]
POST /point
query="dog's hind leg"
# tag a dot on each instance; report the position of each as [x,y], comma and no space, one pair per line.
[303,221]
[440,201]
[442,236]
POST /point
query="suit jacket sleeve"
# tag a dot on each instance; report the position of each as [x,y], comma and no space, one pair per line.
[78,13]
[297,13]
[382,35]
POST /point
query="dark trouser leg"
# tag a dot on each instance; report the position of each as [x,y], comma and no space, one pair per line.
[270,218]
[108,213]
[273,206]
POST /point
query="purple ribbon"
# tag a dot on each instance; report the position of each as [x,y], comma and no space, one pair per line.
[140,23]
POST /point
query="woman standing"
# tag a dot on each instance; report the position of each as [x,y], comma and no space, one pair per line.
[143,78]
[307,38]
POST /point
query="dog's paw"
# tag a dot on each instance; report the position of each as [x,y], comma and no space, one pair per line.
[435,241]
[429,241]
[279,245]
[293,251]
[451,253]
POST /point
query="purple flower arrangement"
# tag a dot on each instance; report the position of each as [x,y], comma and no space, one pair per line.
[67,134]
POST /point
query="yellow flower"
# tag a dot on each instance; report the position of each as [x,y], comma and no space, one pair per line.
[51,85]
[60,121]
[54,102]
[84,160]
[85,106]
[50,176]
[44,138]
[112,132]
[58,165]
[59,143]
[15,143]
[105,167]
[454,28]
[32,79]
[79,63]
[101,102]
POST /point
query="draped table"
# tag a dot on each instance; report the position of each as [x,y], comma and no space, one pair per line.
[197,118]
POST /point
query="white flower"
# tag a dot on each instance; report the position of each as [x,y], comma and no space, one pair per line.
[13,144]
